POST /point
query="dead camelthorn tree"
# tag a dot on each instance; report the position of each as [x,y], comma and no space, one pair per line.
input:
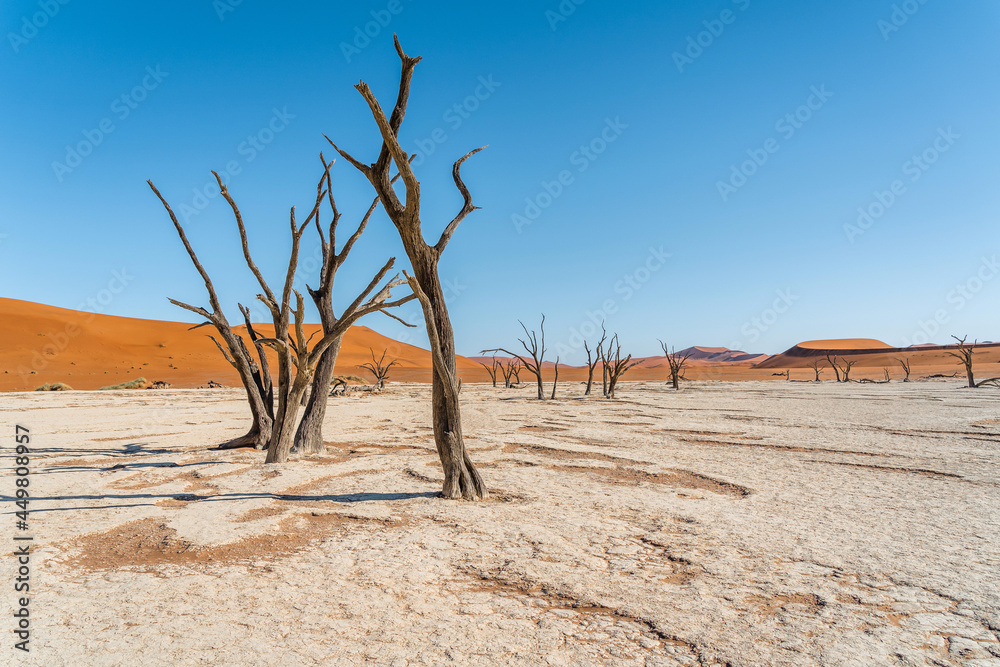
[555,380]
[905,363]
[534,344]
[379,368]
[593,361]
[617,367]
[510,370]
[845,369]
[309,436]
[677,361]
[833,364]
[492,369]
[256,377]
[815,365]
[964,355]
[296,361]
[461,479]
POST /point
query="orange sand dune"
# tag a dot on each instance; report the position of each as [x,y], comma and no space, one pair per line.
[844,344]
[43,344]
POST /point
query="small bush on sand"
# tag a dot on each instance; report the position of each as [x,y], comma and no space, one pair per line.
[138,383]
[55,386]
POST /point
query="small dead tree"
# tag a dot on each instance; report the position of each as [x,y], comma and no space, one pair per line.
[534,345]
[617,367]
[845,369]
[555,380]
[516,371]
[461,479]
[510,369]
[379,368]
[593,361]
[905,364]
[964,355]
[816,366]
[492,369]
[677,361]
[833,364]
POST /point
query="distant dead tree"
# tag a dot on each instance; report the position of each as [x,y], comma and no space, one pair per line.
[842,369]
[886,378]
[492,369]
[593,361]
[964,354]
[833,364]
[815,365]
[509,369]
[676,360]
[845,369]
[461,479]
[617,367]
[905,363]
[555,380]
[534,345]
[379,368]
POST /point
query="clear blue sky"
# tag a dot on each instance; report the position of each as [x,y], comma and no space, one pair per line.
[832,100]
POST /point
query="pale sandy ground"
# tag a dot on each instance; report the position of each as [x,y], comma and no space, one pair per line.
[744,523]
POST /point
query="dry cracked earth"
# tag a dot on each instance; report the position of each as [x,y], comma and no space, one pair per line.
[726,524]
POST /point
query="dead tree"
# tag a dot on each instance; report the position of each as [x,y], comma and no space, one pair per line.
[256,377]
[516,371]
[845,369]
[592,361]
[461,479]
[510,369]
[492,369]
[309,436]
[833,364]
[676,360]
[535,346]
[815,365]
[555,380]
[617,367]
[379,368]
[964,355]
[905,363]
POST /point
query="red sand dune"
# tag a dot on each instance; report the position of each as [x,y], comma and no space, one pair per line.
[44,344]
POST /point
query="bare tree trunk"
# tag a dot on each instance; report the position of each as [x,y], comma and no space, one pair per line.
[555,380]
[309,437]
